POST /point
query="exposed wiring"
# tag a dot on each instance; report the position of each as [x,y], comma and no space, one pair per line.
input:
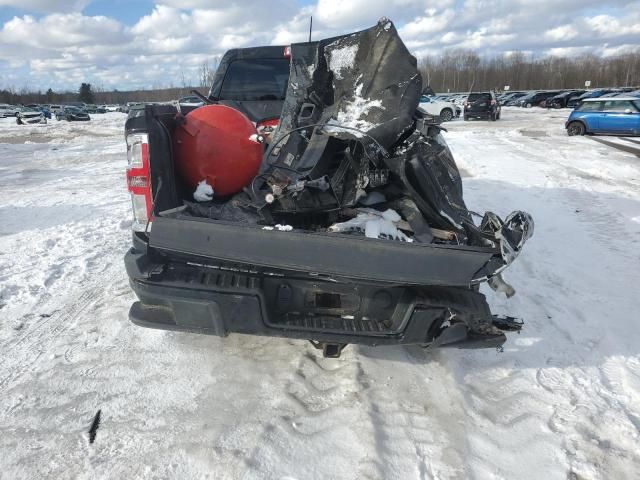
[153,205]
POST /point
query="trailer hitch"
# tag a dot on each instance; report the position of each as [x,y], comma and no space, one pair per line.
[329,350]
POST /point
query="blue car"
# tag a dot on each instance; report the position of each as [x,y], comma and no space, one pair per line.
[613,116]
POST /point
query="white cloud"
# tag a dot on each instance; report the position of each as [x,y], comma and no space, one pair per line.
[63,45]
[431,23]
[609,26]
[62,30]
[46,6]
[563,32]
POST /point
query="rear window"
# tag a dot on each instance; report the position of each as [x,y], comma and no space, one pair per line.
[474,97]
[256,79]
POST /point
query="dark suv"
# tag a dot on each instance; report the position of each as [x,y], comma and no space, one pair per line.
[482,105]
[562,99]
[534,99]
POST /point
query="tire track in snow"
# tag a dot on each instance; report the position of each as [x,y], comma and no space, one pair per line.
[321,412]
[23,353]
[415,414]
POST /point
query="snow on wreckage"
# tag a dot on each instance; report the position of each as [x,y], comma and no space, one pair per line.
[352,229]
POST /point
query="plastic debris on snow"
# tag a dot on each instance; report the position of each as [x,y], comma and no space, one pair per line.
[282,228]
[373,224]
[204,192]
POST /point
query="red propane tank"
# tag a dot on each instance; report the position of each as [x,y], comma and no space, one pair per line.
[219,145]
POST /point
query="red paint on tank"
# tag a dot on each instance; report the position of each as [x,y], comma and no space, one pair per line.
[214,144]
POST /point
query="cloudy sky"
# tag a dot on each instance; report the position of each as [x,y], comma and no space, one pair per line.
[143,43]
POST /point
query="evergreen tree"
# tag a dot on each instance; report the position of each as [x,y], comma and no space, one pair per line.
[85,94]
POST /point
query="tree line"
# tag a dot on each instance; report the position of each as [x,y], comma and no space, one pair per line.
[94,95]
[455,71]
[89,93]
[462,70]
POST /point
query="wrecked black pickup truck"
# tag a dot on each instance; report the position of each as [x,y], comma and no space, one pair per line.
[352,228]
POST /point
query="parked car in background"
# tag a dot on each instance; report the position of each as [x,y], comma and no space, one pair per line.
[73,114]
[55,108]
[193,102]
[42,108]
[445,111]
[509,97]
[595,93]
[482,105]
[534,99]
[7,110]
[91,108]
[616,115]
[458,99]
[28,115]
[561,100]
[188,104]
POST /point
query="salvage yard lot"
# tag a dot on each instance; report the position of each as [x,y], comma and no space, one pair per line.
[562,400]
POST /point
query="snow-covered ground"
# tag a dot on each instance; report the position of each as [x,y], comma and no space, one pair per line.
[562,400]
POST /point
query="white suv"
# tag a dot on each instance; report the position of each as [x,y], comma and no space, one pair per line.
[446,111]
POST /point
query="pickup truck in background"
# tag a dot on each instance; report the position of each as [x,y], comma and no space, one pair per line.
[293,255]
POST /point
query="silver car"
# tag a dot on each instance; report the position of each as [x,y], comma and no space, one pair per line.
[7,110]
[28,115]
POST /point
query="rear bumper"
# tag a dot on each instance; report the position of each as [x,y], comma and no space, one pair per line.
[476,114]
[218,301]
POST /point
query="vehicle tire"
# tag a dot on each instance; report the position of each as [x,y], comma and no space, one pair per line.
[576,128]
[529,105]
[446,115]
[465,118]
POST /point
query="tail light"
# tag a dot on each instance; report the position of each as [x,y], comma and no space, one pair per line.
[287,52]
[267,127]
[138,179]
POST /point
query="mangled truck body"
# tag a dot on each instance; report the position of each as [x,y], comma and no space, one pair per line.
[332,211]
